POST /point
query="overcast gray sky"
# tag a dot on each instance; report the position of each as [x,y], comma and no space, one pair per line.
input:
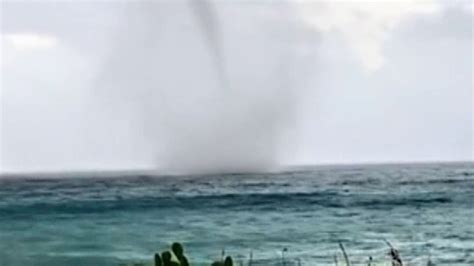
[133,85]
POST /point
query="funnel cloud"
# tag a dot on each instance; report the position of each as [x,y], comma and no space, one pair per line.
[204,107]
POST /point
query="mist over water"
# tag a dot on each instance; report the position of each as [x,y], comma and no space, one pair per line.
[213,85]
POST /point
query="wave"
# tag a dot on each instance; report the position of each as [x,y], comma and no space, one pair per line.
[232,201]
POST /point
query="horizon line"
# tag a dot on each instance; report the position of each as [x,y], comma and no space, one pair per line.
[157,172]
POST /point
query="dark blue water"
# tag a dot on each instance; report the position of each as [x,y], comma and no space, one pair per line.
[424,210]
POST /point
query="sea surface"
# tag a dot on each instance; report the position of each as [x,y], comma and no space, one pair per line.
[424,210]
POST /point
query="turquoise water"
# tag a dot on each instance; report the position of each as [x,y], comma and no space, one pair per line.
[424,210]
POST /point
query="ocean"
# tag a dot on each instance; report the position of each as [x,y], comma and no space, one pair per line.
[424,210]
